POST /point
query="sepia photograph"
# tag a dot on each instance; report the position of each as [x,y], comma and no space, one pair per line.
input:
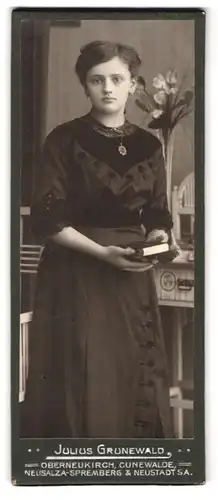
[106,332]
[107,227]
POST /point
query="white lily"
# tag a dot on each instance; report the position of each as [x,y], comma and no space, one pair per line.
[156,113]
[173,90]
[159,82]
[171,77]
[160,97]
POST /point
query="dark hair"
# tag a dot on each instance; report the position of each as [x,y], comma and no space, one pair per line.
[102,51]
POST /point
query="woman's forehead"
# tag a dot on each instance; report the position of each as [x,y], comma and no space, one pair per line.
[111,67]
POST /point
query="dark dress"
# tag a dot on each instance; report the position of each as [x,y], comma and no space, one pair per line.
[97,358]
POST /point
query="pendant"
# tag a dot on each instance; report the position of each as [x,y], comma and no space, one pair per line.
[122,150]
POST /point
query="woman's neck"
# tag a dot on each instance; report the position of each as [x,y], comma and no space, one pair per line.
[112,121]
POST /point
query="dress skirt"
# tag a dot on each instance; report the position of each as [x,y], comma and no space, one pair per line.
[97,358]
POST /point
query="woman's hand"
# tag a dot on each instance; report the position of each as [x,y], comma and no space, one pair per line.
[160,236]
[118,257]
[157,236]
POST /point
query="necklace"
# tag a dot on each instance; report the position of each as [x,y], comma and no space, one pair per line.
[121,148]
[113,132]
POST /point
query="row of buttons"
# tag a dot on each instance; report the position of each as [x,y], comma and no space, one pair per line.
[144,400]
[49,199]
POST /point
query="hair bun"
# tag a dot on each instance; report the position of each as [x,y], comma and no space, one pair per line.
[91,45]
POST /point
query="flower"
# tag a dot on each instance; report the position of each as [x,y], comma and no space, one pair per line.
[156,113]
[168,103]
[160,97]
[171,77]
[173,90]
[159,82]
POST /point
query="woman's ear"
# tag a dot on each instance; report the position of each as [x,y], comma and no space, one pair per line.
[133,86]
[86,91]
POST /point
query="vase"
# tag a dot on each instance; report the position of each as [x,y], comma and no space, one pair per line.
[167,141]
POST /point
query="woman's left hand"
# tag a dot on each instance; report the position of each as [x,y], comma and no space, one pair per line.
[157,236]
[161,236]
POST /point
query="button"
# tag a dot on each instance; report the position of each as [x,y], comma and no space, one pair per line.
[143,402]
[150,363]
[147,403]
[160,372]
[144,308]
[111,175]
[97,164]
[150,383]
[141,168]
[140,402]
[149,322]
[81,155]
[150,344]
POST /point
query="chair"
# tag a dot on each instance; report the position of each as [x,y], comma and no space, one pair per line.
[29,260]
[25,319]
[29,254]
[183,203]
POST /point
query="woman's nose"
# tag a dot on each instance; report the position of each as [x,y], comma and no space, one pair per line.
[107,86]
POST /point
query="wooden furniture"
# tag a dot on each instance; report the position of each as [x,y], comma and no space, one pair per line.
[25,319]
[175,289]
[29,254]
[183,203]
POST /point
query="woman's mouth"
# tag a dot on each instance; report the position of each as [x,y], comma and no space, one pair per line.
[108,99]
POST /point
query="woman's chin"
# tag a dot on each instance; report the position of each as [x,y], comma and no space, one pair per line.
[108,108]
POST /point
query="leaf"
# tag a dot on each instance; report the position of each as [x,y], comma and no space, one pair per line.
[141,83]
[188,96]
[161,122]
[181,88]
[180,116]
[181,102]
[142,106]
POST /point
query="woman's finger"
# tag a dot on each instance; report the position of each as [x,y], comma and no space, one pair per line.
[138,268]
[137,265]
[142,270]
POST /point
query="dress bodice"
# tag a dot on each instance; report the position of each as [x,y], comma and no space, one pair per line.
[84,180]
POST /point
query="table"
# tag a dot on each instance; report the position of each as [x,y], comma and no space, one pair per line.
[175,288]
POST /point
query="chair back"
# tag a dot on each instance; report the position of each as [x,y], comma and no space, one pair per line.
[183,203]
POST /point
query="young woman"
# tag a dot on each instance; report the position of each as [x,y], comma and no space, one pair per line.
[97,359]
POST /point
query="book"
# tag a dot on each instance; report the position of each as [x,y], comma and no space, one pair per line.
[148,250]
[156,249]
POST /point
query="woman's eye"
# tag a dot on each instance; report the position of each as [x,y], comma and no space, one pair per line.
[96,81]
[117,79]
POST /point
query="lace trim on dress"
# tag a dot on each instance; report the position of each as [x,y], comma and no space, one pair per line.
[126,129]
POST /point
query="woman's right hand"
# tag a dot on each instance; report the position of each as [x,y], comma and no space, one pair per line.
[118,257]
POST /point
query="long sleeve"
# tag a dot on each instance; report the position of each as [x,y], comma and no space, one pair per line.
[48,210]
[155,213]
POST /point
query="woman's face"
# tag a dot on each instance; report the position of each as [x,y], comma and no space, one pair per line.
[108,85]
